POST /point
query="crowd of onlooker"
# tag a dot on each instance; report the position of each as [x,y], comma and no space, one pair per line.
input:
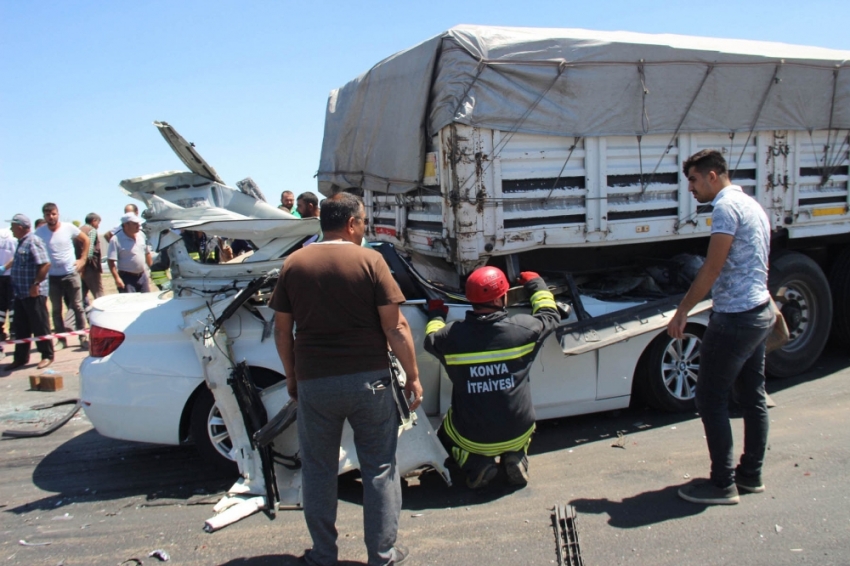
[55,262]
[60,261]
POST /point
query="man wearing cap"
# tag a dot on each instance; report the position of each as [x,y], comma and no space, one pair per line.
[29,271]
[488,356]
[129,256]
[64,278]
[127,210]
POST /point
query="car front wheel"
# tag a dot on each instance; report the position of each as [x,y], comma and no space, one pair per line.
[668,371]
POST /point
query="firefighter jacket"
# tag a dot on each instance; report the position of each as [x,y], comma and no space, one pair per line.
[487,358]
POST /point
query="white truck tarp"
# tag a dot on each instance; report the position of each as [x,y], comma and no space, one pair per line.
[570,82]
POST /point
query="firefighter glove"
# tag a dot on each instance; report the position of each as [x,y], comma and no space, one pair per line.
[527,276]
[437,308]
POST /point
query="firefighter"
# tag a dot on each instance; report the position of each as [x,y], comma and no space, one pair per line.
[488,356]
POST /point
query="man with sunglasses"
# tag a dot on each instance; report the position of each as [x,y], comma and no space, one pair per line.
[344,304]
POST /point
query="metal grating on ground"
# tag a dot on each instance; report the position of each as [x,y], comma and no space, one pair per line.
[566,535]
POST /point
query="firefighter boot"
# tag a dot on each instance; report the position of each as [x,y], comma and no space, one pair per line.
[480,471]
[516,467]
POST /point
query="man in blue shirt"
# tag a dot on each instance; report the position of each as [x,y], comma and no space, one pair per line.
[29,282]
[733,347]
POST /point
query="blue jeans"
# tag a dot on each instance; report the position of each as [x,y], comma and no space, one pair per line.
[366,401]
[732,357]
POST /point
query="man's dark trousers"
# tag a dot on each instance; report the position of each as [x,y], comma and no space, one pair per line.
[31,319]
[366,401]
[67,289]
[732,357]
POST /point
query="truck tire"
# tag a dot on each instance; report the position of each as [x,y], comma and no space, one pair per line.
[839,284]
[807,308]
[209,433]
[668,370]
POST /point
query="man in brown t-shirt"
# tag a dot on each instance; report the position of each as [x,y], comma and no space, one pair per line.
[344,303]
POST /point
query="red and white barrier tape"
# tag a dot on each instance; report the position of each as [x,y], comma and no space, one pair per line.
[46,337]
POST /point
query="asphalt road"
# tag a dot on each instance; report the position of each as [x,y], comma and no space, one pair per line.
[101,501]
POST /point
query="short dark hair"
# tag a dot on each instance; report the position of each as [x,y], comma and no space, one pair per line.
[48,207]
[92,217]
[309,198]
[39,222]
[336,211]
[706,160]
[135,208]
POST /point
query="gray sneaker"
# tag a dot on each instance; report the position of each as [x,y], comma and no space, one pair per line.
[706,493]
[748,483]
[401,553]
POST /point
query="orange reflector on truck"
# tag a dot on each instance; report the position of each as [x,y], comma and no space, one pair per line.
[829,211]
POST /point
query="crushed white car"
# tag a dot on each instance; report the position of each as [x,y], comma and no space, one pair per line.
[198,362]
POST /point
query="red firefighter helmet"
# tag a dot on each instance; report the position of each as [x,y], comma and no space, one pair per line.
[486,284]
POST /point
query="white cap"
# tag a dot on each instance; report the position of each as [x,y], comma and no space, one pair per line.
[131,217]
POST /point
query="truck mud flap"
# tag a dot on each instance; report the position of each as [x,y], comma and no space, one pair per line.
[595,333]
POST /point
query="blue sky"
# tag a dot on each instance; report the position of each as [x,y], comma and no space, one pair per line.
[82,81]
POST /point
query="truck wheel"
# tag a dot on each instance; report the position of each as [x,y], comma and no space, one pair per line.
[668,370]
[807,308]
[839,283]
[209,433]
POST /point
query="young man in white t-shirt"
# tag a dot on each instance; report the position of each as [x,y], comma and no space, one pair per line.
[64,275]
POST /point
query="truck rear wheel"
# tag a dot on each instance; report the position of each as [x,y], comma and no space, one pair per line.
[668,371]
[807,307]
[839,283]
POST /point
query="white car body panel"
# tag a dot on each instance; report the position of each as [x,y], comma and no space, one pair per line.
[155,371]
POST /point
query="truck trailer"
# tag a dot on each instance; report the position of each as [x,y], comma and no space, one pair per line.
[560,150]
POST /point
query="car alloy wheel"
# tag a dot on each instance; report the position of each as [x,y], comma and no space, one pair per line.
[680,367]
[667,373]
[217,432]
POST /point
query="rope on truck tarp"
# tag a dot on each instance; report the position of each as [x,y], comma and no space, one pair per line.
[564,166]
[773,80]
[675,135]
[830,163]
[644,115]
[644,120]
[497,149]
